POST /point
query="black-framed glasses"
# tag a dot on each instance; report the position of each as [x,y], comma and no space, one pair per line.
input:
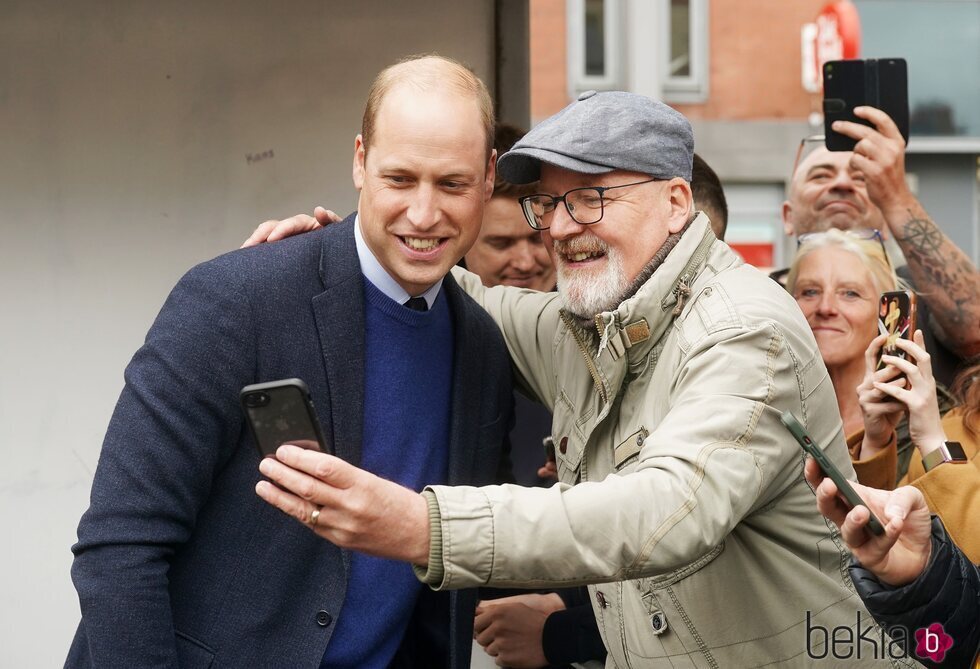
[584,205]
[862,234]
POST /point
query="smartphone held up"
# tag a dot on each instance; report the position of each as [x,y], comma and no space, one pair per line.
[897,320]
[880,83]
[281,412]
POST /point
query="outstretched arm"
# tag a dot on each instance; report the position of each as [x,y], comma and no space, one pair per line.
[943,274]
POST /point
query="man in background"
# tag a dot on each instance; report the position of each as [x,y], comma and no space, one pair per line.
[508,251]
[866,189]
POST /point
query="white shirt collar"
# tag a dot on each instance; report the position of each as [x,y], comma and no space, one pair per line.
[373,271]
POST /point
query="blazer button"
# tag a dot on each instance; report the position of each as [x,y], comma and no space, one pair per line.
[323,619]
[658,621]
[563,445]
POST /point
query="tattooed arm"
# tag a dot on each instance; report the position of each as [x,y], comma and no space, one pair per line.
[944,277]
[943,274]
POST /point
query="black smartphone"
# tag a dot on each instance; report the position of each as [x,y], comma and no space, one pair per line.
[881,83]
[843,485]
[896,318]
[281,412]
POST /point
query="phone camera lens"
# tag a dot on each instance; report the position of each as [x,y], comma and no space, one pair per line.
[253,400]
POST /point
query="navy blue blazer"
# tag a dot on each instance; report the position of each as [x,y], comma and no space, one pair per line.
[178,562]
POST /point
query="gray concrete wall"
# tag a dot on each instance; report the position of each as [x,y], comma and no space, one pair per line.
[137,140]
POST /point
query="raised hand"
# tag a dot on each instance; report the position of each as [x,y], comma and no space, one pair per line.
[880,156]
[880,411]
[918,395]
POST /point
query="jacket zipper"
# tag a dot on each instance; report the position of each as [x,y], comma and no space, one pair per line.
[593,370]
[690,273]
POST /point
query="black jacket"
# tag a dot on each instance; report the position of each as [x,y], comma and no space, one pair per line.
[947,592]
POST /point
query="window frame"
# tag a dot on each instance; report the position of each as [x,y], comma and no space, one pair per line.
[691,88]
[612,34]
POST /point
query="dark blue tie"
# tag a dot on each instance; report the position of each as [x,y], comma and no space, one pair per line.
[417,304]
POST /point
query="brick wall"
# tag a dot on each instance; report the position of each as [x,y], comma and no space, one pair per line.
[754,61]
[753,49]
[549,60]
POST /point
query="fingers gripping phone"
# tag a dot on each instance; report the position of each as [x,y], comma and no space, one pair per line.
[828,467]
[281,412]
[881,83]
[896,318]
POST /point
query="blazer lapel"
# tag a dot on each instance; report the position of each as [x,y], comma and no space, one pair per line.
[339,314]
[468,340]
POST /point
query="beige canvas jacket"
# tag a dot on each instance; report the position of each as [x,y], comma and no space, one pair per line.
[680,491]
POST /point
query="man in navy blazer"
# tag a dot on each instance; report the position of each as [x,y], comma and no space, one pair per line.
[178,562]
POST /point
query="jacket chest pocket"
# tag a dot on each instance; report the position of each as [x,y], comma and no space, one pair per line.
[569,440]
[568,459]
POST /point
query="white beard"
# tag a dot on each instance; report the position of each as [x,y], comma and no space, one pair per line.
[587,293]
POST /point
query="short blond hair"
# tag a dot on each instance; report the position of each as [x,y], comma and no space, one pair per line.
[428,72]
[869,251]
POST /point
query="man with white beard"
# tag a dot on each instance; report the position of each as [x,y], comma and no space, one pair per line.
[668,362]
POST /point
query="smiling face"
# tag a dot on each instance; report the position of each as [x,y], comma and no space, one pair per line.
[423,183]
[598,263]
[508,251]
[839,298]
[826,192]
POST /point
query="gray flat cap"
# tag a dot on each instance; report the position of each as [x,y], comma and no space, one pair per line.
[602,132]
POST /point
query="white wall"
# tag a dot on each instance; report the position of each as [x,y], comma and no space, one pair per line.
[124,131]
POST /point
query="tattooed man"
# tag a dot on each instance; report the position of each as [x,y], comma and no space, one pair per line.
[866,189]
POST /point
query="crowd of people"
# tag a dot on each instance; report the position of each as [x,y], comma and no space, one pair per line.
[638,491]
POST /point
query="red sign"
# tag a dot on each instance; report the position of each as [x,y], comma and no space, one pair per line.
[758,254]
[836,35]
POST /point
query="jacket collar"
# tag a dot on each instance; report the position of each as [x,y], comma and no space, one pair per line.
[635,329]
[339,314]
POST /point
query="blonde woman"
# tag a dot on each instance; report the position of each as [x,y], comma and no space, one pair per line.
[837,278]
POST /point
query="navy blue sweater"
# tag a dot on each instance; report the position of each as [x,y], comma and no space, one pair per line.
[407,385]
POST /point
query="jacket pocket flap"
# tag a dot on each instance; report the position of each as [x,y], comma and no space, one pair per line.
[630,447]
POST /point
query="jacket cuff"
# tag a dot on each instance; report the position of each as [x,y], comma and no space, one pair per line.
[461,538]
[878,471]
[884,601]
[571,636]
[432,575]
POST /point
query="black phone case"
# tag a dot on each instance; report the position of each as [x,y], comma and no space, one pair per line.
[881,83]
[281,412]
